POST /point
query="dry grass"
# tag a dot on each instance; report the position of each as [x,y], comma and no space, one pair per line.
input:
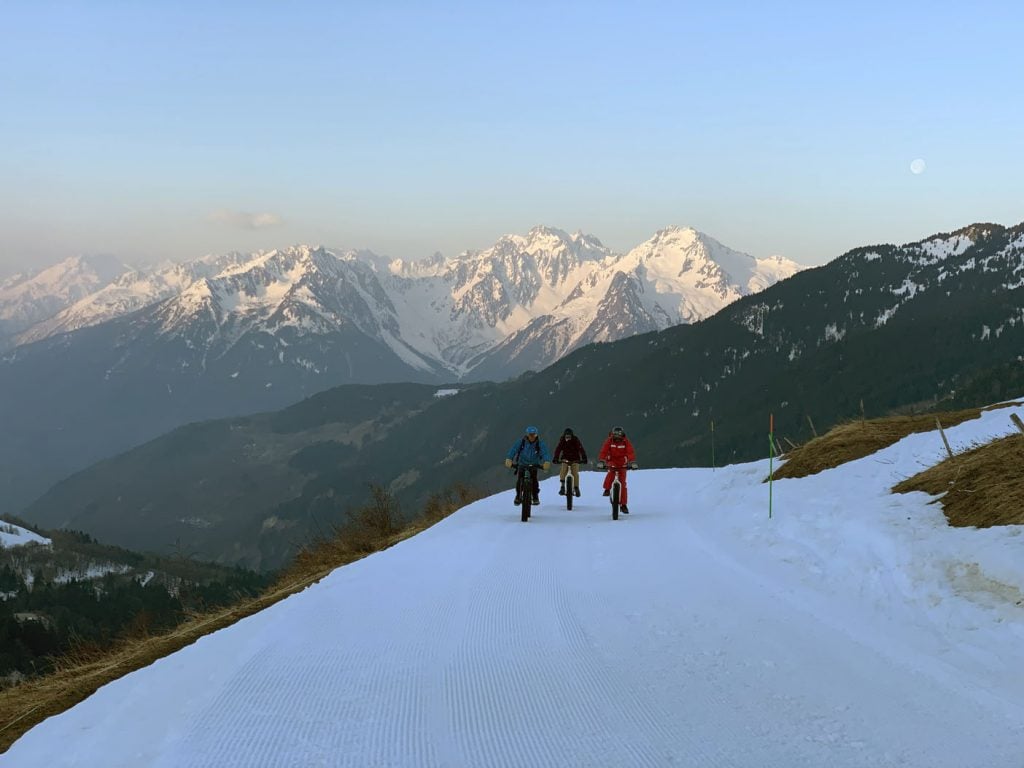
[857,439]
[79,674]
[982,487]
[374,529]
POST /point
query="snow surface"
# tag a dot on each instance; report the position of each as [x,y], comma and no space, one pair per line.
[90,572]
[128,293]
[29,299]
[942,248]
[854,628]
[19,536]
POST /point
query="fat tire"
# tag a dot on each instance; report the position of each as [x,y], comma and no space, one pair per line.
[615,501]
[524,495]
[568,491]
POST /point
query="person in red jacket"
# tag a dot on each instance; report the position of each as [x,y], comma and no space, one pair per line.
[617,453]
[570,449]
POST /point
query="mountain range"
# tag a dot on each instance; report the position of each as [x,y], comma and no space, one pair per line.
[882,328]
[119,363]
[28,302]
[522,303]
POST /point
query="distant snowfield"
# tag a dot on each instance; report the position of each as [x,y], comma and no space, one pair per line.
[855,628]
[14,536]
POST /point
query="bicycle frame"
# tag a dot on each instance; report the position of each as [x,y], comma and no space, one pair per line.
[525,474]
[615,491]
[570,482]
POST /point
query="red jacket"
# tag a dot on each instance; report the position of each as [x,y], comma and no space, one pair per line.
[617,452]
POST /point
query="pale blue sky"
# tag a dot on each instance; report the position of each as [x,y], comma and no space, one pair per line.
[147,129]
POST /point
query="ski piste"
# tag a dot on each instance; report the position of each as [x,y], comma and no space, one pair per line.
[855,628]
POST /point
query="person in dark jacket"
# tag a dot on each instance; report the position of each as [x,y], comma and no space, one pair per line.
[529,449]
[571,450]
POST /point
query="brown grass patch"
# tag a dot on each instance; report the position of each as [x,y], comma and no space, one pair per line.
[982,487]
[81,673]
[857,439]
[374,528]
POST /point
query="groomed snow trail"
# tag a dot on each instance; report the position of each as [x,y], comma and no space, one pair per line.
[693,632]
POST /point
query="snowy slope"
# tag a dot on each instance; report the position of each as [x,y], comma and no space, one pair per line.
[677,276]
[29,299]
[128,293]
[855,628]
[15,536]
[453,310]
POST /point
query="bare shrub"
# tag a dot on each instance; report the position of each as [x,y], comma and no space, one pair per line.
[381,515]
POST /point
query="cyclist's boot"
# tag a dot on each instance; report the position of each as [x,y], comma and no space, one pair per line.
[536,499]
[624,509]
[576,491]
[518,501]
[561,491]
[607,492]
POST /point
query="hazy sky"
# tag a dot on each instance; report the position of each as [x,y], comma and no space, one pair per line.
[159,129]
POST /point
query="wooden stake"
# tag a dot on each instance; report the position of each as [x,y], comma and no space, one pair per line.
[813,430]
[944,440]
[1017,422]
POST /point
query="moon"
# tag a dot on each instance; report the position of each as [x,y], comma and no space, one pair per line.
[917,167]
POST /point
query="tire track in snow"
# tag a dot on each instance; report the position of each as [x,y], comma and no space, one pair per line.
[639,724]
[262,716]
[333,700]
[513,706]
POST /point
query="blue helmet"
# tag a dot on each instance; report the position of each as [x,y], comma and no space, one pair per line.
[532,431]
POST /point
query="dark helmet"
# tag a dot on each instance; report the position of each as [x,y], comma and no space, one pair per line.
[618,432]
[568,432]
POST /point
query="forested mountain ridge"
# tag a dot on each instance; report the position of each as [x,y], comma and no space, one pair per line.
[69,591]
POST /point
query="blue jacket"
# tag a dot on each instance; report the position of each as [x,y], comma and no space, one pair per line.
[525,452]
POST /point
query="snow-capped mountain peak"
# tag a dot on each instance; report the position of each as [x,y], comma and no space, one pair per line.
[679,275]
[547,291]
[29,299]
[130,292]
[679,251]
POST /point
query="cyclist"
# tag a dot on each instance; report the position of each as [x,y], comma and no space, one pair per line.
[571,450]
[617,453]
[530,449]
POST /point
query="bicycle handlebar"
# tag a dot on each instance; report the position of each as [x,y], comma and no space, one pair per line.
[600,464]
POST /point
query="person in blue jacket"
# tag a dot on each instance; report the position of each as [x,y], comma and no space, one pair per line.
[529,449]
